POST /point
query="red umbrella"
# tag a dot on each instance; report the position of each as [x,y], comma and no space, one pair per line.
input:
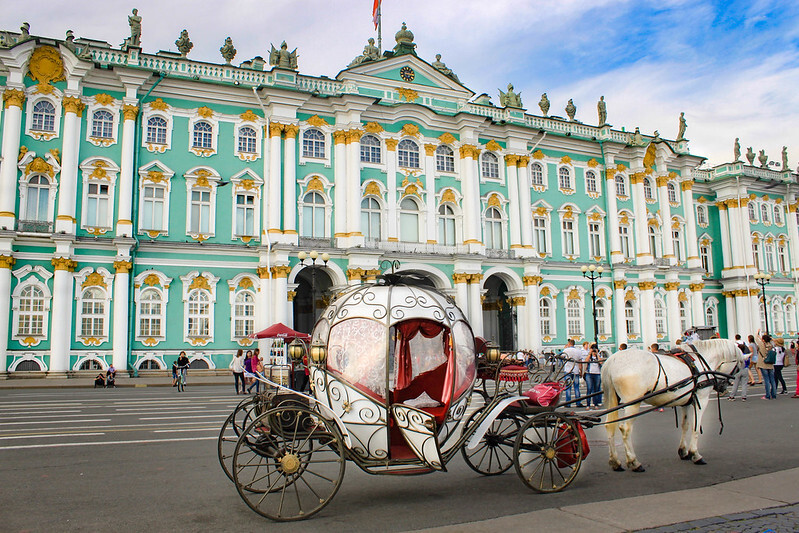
[280,331]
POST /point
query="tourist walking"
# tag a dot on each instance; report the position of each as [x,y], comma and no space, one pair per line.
[574,367]
[753,350]
[779,362]
[593,376]
[248,379]
[237,366]
[742,376]
[765,362]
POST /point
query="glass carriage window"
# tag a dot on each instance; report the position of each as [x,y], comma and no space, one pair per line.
[409,221]
[567,232]
[150,313]
[574,319]
[97,201]
[594,239]
[92,313]
[37,205]
[621,186]
[493,228]
[445,159]
[537,174]
[660,317]
[313,143]
[370,149]
[490,166]
[463,340]
[357,352]
[313,215]
[31,312]
[156,130]
[370,219]
[102,124]
[200,212]
[43,116]
[648,189]
[446,225]
[564,178]
[408,154]
[540,232]
[248,140]
[203,136]
[245,214]
[671,191]
[199,311]
[153,203]
[243,314]
[590,181]
[544,310]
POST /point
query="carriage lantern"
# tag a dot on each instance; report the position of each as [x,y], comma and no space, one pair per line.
[492,354]
[296,350]
[318,353]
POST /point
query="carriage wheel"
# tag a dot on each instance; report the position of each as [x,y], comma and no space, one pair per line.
[548,452]
[234,426]
[493,455]
[289,462]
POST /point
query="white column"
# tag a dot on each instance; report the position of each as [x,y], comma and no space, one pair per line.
[354,187]
[266,195]
[673,310]
[61,313]
[647,310]
[266,313]
[340,187]
[644,255]
[475,304]
[6,264]
[290,183]
[68,181]
[733,321]
[512,179]
[280,287]
[430,192]
[391,182]
[665,215]
[525,205]
[533,317]
[618,310]
[471,195]
[121,318]
[793,234]
[12,123]
[275,200]
[724,225]
[737,255]
[690,224]
[746,234]
[462,292]
[697,302]
[126,173]
[613,220]
[520,302]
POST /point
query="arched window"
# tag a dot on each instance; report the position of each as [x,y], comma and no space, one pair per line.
[31,312]
[313,215]
[653,240]
[92,313]
[370,149]
[660,317]
[446,225]
[43,116]
[537,174]
[151,313]
[676,237]
[685,317]
[630,318]
[625,241]
[102,124]
[704,257]
[150,364]
[564,178]
[621,185]
[711,318]
[671,191]
[248,140]
[370,219]
[156,130]
[778,215]
[90,364]
[203,136]
[541,234]
[782,257]
[777,318]
[590,181]
[756,252]
[409,221]
[545,311]
[445,159]
[243,314]
[493,228]
[764,213]
[648,194]
[199,314]
[790,318]
[490,166]
[574,318]
[753,212]
[701,215]
[37,206]
[313,143]
[601,317]
[408,154]
[768,256]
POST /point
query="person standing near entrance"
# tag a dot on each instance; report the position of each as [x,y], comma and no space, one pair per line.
[764,346]
[573,366]
[593,376]
[237,366]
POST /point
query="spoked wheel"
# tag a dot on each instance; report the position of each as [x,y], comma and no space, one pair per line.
[548,452]
[235,424]
[493,455]
[289,462]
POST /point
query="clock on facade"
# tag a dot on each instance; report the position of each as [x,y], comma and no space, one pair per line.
[407,73]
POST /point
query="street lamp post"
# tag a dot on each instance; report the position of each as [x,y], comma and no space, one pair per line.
[763,279]
[313,256]
[593,273]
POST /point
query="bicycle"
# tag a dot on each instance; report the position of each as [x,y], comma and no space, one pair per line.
[182,378]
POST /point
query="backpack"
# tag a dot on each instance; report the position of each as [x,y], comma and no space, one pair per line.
[744,348]
[771,357]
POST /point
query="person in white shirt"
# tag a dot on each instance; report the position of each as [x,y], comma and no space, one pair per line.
[574,366]
[237,366]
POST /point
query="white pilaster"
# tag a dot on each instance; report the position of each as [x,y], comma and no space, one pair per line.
[690,223]
[6,263]
[12,123]
[644,255]
[462,292]
[391,183]
[354,188]
[61,326]
[280,288]
[340,187]
[126,172]
[793,234]
[430,192]
[613,221]
[514,219]
[290,184]
[475,305]
[618,310]
[121,318]
[533,318]
[68,182]
[724,225]
[275,192]
[525,209]
[665,215]
[646,309]
[673,310]
[697,303]
[733,320]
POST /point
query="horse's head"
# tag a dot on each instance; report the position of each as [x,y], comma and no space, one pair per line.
[723,355]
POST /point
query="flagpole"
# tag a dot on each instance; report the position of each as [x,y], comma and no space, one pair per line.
[380,27]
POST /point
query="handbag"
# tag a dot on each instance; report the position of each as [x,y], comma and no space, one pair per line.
[771,357]
[567,446]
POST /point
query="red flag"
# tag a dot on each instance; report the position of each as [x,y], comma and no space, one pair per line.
[376,12]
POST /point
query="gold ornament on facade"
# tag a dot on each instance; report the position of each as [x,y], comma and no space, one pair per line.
[566,160]
[56,154]
[430,149]
[156,176]
[600,293]
[686,185]
[281,271]
[629,296]
[64,263]
[291,131]
[448,196]
[205,112]
[637,178]
[340,137]
[649,156]
[574,294]
[511,160]
[200,282]
[460,278]
[45,67]
[391,144]
[249,116]
[103,99]
[411,189]
[493,146]
[317,121]
[592,163]
[447,138]
[159,105]
[624,218]
[315,184]
[467,150]
[682,297]
[545,291]
[290,295]
[39,166]
[538,154]
[531,280]
[354,135]
[6,261]
[646,285]
[22,151]
[596,216]
[355,274]
[410,129]
[523,161]
[200,237]
[696,287]
[150,280]
[371,189]
[373,127]
[619,284]
[13,97]
[99,171]
[671,285]
[199,341]
[541,211]
[123,267]
[247,184]
[244,341]
[275,129]
[409,95]
[262,271]
[95,279]
[72,104]
[494,201]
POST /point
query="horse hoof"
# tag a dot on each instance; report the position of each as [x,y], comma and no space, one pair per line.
[618,468]
[683,455]
[700,461]
[639,468]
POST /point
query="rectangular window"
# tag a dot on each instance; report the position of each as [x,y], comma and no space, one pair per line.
[629,319]
[568,237]
[675,236]
[600,319]
[540,231]
[594,239]
[91,319]
[446,231]
[97,206]
[624,241]
[200,212]
[704,256]
[153,202]
[245,214]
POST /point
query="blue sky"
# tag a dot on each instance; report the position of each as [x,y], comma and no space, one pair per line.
[732,67]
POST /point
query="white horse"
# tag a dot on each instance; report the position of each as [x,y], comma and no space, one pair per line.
[632,374]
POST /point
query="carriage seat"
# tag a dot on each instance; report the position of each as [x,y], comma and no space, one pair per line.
[430,383]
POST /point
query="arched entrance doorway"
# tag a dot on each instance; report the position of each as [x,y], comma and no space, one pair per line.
[499,316]
[312,296]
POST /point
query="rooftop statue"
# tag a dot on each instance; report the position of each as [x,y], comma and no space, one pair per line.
[283,58]
[736,150]
[636,139]
[370,53]
[442,67]
[656,136]
[750,155]
[763,158]
[683,126]
[571,109]
[510,98]
[184,44]
[70,41]
[25,32]
[135,30]
[784,158]
[228,51]
[405,44]
[543,104]
[602,111]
